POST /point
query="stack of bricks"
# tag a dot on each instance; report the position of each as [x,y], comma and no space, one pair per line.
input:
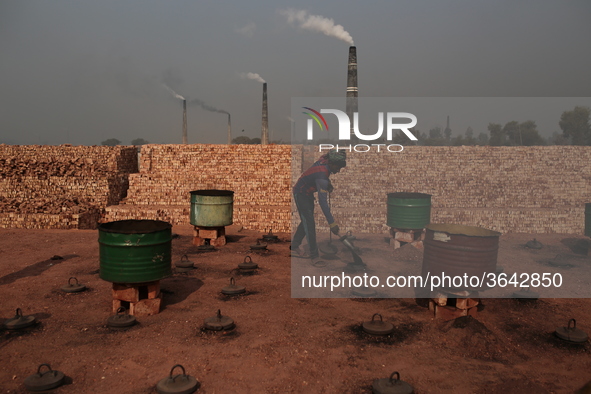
[401,237]
[63,186]
[140,299]
[259,176]
[448,306]
[540,189]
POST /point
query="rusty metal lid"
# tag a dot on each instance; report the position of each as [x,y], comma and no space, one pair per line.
[248,265]
[270,236]
[219,322]
[42,381]
[377,327]
[184,262]
[73,287]
[19,321]
[391,385]
[121,319]
[535,244]
[572,334]
[259,245]
[177,384]
[233,288]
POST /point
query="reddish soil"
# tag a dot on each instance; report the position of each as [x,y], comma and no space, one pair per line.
[280,344]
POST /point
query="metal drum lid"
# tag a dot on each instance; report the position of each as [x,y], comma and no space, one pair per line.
[270,236]
[219,322]
[377,327]
[186,263]
[177,384]
[248,265]
[121,319]
[44,381]
[19,321]
[233,288]
[572,334]
[73,287]
[391,386]
[259,245]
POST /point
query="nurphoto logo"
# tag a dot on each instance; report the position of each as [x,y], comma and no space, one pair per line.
[391,119]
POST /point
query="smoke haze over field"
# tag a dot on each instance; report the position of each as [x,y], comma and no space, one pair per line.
[84,72]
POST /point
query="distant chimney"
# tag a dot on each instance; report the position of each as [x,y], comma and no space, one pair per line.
[229,131]
[265,125]
[185,122]
[352,91]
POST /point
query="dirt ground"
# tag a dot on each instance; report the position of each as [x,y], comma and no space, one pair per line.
[280,344]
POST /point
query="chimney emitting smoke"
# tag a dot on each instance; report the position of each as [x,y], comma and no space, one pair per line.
[352,90]
[185,121]
[265,123]
[229,131]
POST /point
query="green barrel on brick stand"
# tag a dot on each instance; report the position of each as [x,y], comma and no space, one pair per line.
[588,219]
[135,251]
[408,211]
[212,208]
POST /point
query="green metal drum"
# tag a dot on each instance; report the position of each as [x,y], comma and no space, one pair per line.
[212,208]
[135,251]
[588,219]
[409,211]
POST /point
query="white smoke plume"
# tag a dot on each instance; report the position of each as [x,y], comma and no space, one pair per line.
[317,23]
[254,76]
[175,94]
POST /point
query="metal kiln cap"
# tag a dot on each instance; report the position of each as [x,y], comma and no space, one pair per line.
[391,386]
[177,384]
[44,381]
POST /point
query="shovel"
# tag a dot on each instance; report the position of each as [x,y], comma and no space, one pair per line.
[347,243]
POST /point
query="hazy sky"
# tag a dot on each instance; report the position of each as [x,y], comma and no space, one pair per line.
[81,72]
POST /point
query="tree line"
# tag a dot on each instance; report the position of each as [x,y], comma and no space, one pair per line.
[575,126]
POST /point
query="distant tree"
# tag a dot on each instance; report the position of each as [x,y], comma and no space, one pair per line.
[558,139]
[482,139]
[139,141]
[435,133]
[497,134]
[469,134]
[529,135]
[575,125]
[111,142]
[241,140]
[447,133]
[255,140]
[512,133]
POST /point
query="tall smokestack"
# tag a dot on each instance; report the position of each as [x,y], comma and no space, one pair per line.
[265,125]
[229,131]
[185,122]
[352,91]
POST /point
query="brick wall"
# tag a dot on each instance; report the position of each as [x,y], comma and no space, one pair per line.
[508,189]
[259,176]
[44,186]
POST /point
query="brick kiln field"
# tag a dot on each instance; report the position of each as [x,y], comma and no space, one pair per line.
[280,345]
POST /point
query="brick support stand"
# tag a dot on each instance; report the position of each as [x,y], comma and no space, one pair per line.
[215,235]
